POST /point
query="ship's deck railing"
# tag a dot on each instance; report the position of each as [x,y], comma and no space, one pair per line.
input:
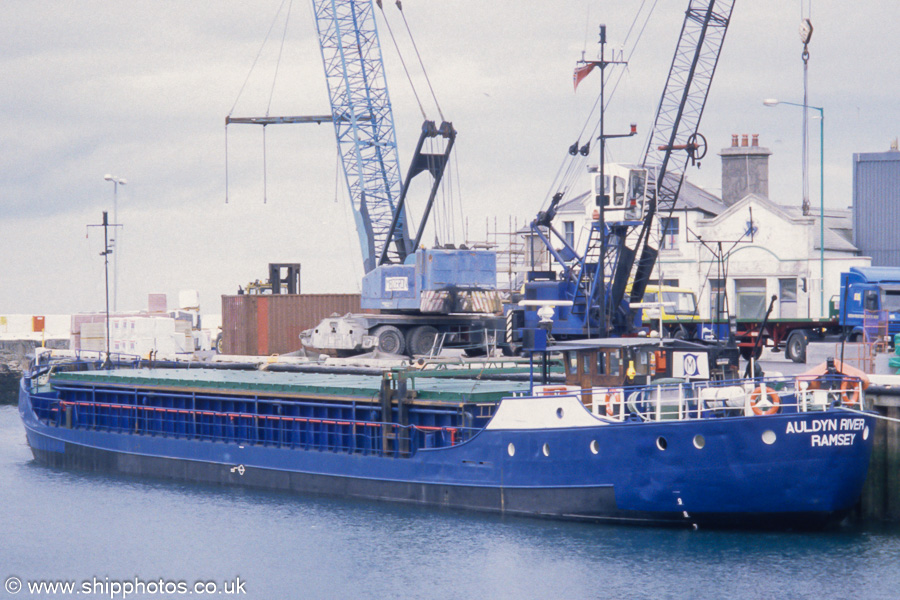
[716,399]
[47,360]
[245,428]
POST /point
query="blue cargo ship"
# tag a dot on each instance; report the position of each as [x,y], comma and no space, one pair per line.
[640,432]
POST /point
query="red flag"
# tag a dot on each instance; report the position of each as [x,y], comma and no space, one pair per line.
[582,72]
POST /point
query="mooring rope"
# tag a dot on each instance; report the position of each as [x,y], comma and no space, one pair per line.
[876,415]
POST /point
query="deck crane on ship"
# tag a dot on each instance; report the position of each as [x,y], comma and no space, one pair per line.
[418,299]
[588,288]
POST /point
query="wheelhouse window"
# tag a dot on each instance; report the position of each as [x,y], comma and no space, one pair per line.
[643,362]
[615,358]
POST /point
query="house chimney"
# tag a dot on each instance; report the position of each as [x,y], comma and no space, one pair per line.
[745,169]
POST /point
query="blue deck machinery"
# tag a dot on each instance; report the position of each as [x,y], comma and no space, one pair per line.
[591,291]
[424,298]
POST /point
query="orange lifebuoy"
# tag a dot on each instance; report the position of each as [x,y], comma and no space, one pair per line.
[847,385]
[757,396]
[613,397]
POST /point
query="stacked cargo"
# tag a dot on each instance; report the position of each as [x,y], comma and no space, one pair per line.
[137,335]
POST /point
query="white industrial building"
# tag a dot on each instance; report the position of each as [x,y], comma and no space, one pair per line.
[745,244]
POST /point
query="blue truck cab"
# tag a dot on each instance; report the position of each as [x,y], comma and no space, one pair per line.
[869,302]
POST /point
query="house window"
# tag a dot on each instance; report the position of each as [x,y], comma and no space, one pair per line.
[665,282]
[787,298]
[668,228]
[751,298]
[717,300]
[569,230]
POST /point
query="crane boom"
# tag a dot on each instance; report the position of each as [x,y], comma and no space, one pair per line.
[592,285]
[420,294]
[364,125]
[678,117]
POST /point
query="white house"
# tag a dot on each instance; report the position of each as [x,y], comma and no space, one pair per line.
[741,249]
[756,249]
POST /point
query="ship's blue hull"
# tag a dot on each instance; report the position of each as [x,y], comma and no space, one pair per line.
[635,472]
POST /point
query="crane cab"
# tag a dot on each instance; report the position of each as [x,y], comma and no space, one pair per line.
[622,191]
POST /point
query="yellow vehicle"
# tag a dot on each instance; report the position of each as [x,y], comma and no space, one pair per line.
[679,304]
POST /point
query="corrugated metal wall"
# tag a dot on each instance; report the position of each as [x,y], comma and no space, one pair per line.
[271,324]
[876,206]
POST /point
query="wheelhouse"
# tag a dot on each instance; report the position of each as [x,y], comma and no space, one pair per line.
[622,362]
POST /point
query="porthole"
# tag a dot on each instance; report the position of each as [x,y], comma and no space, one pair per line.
[595,447]
[866,433]
[661,443]
[511,449]
[699,441]
[768,437]
[559,412]
[546,449]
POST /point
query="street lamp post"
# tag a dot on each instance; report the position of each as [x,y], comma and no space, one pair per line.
[117,181]
[773,102]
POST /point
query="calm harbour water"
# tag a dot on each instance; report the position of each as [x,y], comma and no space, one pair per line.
[61,525]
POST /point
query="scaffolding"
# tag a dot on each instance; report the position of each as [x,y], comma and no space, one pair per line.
[510,245]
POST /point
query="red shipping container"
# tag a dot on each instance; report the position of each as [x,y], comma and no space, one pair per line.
[267,324]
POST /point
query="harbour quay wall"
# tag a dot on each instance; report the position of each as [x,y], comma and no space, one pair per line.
[881,493]
[15,355]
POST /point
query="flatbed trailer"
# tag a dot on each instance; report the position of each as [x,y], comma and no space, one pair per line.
[790,335]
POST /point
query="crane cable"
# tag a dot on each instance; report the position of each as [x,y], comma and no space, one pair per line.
[573,167]
[579,163]
[443,223]
[419,56]
[271,93]
[258,54]
[402,61]
[287,19]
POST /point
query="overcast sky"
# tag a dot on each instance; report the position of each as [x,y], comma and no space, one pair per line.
[140,90]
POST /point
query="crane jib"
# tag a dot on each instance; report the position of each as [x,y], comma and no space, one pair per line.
[675,128]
